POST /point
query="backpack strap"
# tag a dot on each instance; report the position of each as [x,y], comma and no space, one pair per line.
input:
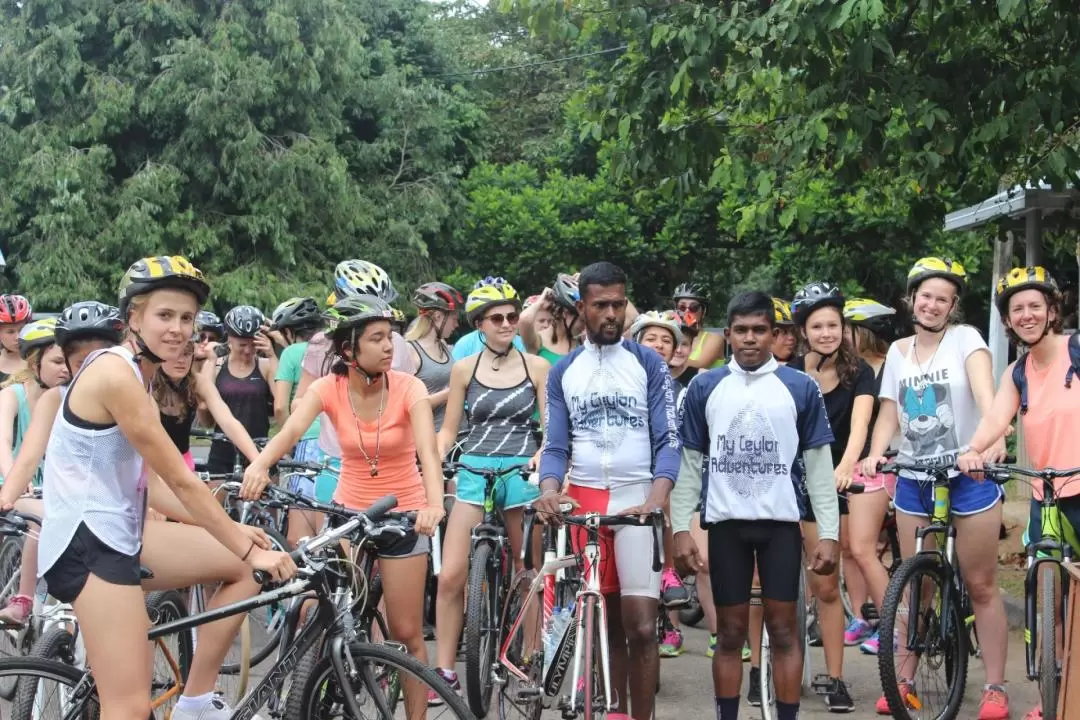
[1019,376]
[1074,359]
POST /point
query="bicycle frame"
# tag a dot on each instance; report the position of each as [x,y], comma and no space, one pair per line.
[1051,543]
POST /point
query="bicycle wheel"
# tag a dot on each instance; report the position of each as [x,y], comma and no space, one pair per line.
[264,623]
[802,626]
[371,670]
[56,644]
[49,687]
[767,681]
[13,639]
[918,592]
[481,630]
[518,698]
[172,653]
[1048,669]
[595,699]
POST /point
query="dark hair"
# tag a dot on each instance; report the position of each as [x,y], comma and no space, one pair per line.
[600,273]
[751,302]
[342,338]
[1053,302]
[168,394]
[847,359]
[305,333]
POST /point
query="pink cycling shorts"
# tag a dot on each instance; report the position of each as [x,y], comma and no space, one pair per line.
[881,481]
[189,461]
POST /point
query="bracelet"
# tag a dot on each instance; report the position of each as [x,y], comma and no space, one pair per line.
[244,559]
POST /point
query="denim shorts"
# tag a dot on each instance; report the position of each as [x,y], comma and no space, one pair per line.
[321,487]
[512,491]
[967,496]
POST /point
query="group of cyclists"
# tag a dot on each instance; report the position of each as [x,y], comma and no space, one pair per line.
[747,439]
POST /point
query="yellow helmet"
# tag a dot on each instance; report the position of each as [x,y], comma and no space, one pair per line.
[331,300]
[870,314]
[1025,278]
[152,273]
[490,291]
[36,334]
[935,267]
[359,277]
[782,312]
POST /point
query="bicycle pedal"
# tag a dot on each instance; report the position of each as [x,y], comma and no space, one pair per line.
[821,683]
[528,693]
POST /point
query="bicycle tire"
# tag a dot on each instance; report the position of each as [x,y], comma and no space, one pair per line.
[1048,671]
[11,639]
[481,618]
[956,654]
[294,699]
[590,659]
[262,650]
[532,706]
[766,681]
[32,670]
[387,655]
[165,607]
[802,604]
[57,644]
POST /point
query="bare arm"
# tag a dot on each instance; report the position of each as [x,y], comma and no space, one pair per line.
[712,349]
[423,425]
[9,410]
[526,325]
[110,383]
[35,440]
[164,500]
[219,411]
[438,399]
[306,379]
[282,388]
[888,422]
[860,428]
[302,416]
[455,406]
[996,421]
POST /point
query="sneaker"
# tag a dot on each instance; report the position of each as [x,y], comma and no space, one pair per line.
[1034,713]
[871,645]
[753,690]
[451,679]
[214,709]
[672,592]
[857,631]
[837,698]
[746,652]
[995,703]
[672,645]
[711,650]
[17,611]
[907,690]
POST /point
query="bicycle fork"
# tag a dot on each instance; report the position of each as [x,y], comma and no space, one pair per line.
[1031,593]
[592,557]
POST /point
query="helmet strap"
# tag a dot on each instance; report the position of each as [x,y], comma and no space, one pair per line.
[370,378]
[145,353]
[825,358]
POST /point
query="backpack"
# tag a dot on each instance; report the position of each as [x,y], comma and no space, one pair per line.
[1019,374]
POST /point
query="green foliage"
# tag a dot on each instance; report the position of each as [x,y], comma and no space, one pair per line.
[265,139]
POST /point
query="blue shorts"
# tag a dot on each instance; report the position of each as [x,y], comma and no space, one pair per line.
[320,488]
[511,491]
[966,496]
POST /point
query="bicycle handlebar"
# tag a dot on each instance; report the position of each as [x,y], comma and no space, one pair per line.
[595,521]
[14,523]
[451,468]
[938,472]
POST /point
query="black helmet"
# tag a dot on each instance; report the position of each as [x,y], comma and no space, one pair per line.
[355,311]
[89,319]
[297,312]
[814,296]
[244,321]
[566,292]
[438,296]
[690,291]
[210,322]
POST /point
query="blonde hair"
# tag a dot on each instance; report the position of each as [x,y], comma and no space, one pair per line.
[135,305]
[421,327]
[867,342]
[33,359]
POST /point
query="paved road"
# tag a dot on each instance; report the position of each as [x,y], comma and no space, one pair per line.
[686,684]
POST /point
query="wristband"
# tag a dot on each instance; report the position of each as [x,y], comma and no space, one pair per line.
[244,559]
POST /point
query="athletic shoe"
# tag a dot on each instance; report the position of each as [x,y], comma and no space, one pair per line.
[672,592]
[857,631]
[672,644]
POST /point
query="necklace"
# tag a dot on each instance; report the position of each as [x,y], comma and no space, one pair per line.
[915,352]
[373,462]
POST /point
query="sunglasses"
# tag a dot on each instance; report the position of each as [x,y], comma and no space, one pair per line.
[500,318]
[689,307]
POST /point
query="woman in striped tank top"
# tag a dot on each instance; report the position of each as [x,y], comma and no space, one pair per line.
[502,387]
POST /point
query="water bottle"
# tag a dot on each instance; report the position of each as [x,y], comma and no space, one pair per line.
[41,594]
[553,635]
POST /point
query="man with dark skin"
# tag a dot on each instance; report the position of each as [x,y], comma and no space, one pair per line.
[611,401]
[738,420]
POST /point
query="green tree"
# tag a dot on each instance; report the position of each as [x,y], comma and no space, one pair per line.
[265,139]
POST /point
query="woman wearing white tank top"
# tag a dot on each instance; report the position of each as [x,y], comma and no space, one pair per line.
[90,550]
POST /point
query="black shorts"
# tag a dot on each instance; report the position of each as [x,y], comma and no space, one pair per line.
[87,554]
[806,510]
[392,546]
[735,546]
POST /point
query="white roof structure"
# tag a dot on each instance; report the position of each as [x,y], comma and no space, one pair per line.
[1016,202]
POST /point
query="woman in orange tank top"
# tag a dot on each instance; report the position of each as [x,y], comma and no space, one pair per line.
[383,421]
[1030,306]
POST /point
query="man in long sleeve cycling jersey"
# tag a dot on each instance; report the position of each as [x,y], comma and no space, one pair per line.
[611,401]
[745,427]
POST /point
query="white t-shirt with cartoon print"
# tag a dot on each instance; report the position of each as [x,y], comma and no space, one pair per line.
[938,413]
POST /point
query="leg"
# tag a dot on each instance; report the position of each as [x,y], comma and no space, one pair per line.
[979,563]
[778,546]
[168,549]
[864,527]
[854,582]
[618,656]
[639,627]
[450,599]
[906,525]
[113,625]
[785,642]
[403,589]
[704,582]
[826,588]
[731,568]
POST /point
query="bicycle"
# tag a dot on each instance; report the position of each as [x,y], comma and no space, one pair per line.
[491,568]
[348,663]
[1053,548]
[946,636]
[539,673]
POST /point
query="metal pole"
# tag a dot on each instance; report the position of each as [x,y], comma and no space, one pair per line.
[998,342]
[1033,238]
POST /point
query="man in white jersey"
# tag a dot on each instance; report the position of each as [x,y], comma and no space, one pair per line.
[746,426]
[611,400]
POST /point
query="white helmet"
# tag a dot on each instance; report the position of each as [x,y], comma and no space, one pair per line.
[667,320]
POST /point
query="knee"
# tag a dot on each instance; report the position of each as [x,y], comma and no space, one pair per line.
[128,707]
[827,588]
[982,588]
[783,635]
[451,581]
[407,631]
[640,632]
[731,636]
